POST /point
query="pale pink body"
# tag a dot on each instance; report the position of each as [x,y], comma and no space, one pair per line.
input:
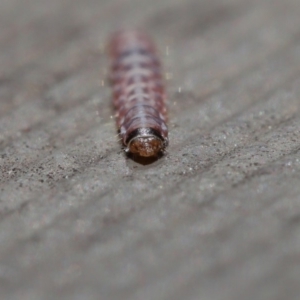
[138,90]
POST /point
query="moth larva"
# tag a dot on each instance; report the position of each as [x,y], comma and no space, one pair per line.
[138,92]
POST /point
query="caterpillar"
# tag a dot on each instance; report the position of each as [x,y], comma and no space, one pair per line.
[138,93]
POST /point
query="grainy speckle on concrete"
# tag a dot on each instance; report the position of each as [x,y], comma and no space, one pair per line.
[217,218]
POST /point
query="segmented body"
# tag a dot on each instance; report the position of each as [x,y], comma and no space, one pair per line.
[139,95]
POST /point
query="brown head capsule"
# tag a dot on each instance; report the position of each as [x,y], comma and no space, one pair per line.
[139,95]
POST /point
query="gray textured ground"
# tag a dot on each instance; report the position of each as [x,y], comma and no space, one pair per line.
[218,218]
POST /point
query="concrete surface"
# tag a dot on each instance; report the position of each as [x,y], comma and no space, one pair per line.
[217,218]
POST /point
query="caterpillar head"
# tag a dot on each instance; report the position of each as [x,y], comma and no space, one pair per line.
[145,142]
